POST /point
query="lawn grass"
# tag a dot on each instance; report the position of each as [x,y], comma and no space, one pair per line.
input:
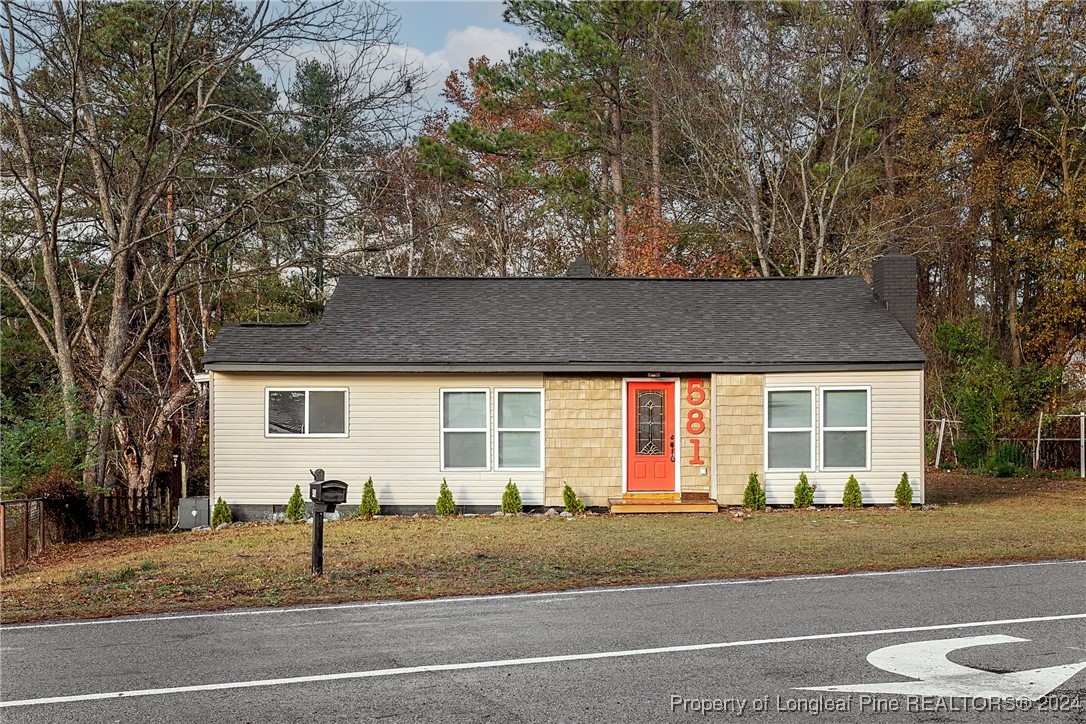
[976,520]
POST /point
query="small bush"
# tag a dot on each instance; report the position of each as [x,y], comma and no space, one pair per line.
[221,514]
[804,493]
[445,503]
[573,503]
[853,497]
[295,506]
[511,502]
[903,494]
[369,506]
[754,496]
[1006,461]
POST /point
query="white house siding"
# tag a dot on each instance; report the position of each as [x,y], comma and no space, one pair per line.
[393,435]
[897,440]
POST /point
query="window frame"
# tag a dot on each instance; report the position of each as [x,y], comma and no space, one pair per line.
[442,429]
[766,430]
[305,421]
[498,430]
[822,428]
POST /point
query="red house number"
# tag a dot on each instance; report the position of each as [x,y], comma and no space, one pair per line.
[695,418]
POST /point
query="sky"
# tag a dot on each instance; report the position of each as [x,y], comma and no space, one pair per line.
[443,34]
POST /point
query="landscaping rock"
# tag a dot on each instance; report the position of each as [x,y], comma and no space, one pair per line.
[497,514]
[222,526]
[471,515]
[550,512]
[566,514]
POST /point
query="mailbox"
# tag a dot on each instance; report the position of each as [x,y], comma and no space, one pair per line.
[327,494]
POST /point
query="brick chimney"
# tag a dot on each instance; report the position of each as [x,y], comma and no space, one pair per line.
[582,268]
[895,287]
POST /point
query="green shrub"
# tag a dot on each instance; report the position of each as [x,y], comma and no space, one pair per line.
[804,493]
[989,395]
[445,503]
[511,499]
[221,514]
[903,494]
[369,506]
[573,503]
[754,496]
[36,448]
[853,497]
[1006,461]
[295,506]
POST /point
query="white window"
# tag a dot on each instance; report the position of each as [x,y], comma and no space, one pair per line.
[465,430]
[846,428]
[520,429]
[789,429]
[313,412]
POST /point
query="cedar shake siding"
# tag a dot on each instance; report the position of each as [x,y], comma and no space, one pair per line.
[739,433]
[583,429]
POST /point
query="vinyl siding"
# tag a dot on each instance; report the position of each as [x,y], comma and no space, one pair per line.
[897,441]
[393,435]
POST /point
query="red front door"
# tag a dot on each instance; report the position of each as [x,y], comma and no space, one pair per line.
[650,437]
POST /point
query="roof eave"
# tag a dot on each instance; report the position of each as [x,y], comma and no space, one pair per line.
[568,368]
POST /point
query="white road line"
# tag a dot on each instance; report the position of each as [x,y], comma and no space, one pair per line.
[537,594]
[434,668]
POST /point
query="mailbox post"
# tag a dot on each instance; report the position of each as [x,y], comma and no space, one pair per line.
[325,495]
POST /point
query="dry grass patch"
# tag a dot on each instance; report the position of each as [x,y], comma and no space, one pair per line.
[978,520]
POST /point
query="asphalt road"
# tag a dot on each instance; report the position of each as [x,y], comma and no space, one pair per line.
[720,651]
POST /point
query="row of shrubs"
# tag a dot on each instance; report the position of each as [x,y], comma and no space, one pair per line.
[369,507]
[753,498]
[803,495]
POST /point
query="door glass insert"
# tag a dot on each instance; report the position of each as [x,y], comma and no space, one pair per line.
[650,422]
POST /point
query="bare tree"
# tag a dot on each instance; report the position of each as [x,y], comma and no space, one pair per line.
[113,112]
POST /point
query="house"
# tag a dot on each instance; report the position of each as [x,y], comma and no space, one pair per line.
[664,393]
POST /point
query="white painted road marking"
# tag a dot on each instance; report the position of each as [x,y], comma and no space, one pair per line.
[938,676]
[434,668]
[536,594]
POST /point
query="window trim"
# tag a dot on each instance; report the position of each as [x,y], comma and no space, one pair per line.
[442,429]
[305,421]
[822,428]
[498,429]
[766,429]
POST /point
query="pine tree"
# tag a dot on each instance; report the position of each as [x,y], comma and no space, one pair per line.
[295,506]
[572,502]
[754,495]
[445,503]
[369,506]
[853,497]
[511,502]
[221,514]
[903,494]
[804,493]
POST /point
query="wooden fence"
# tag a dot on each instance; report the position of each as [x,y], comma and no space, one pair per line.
[122,512]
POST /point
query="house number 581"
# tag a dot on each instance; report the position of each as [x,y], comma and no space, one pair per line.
[695,418]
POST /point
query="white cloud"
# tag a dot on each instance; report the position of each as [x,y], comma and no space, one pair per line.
[460,46]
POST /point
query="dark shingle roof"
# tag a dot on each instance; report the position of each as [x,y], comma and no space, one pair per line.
[581,324]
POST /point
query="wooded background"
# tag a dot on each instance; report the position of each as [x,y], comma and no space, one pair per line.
[168,167]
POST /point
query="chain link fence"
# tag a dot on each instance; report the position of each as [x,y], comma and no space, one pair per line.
[22,532]
[1060,444]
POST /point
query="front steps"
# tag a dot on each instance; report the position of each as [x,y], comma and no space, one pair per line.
[662,503]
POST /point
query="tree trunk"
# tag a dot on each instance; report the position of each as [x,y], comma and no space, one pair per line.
[618,190]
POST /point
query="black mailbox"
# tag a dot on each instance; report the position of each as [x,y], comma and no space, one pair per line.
[327,494]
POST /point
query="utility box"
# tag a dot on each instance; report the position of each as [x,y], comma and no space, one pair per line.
[193,512]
